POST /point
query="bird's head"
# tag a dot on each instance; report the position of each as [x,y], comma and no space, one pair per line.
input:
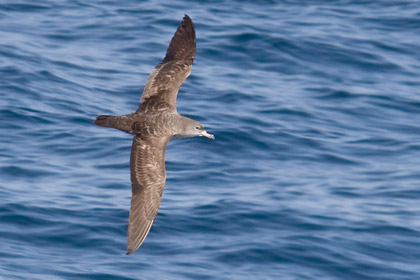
[201,131]
[191,128]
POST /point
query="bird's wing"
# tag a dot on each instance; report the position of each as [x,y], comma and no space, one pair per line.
[148,176]
[167,77]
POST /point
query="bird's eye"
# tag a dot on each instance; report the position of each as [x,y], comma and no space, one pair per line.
[197,127]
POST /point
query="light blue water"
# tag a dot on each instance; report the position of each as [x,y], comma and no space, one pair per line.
[314,173]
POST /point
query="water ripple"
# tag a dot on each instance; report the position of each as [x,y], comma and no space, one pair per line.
[313,173]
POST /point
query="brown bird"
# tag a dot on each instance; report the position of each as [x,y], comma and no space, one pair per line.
[154,123]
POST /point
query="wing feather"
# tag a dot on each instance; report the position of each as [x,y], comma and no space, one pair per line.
[148,176]
[167,77]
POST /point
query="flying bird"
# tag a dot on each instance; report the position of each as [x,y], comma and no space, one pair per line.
[154,123]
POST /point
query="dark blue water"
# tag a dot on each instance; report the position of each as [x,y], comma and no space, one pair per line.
[314,173]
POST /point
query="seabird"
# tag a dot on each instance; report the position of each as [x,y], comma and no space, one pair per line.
[154,123]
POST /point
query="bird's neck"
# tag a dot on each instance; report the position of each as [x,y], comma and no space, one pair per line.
[180,126]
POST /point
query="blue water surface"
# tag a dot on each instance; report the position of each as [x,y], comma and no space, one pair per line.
[314,173]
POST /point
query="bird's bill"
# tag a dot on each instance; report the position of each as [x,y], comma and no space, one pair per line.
[208,135]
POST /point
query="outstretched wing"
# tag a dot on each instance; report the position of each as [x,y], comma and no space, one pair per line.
[148,176]
[167,77]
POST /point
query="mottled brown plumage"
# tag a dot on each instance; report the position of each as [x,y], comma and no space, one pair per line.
[153,125]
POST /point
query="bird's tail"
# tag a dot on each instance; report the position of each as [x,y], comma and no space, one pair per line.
[106,120]
[123,123]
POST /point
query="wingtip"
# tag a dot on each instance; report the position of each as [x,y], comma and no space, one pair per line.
[130,251]
[183,43]
[187,18]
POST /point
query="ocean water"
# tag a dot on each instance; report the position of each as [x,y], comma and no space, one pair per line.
[314,173]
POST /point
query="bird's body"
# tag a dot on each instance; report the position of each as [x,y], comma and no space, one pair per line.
[154,123]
